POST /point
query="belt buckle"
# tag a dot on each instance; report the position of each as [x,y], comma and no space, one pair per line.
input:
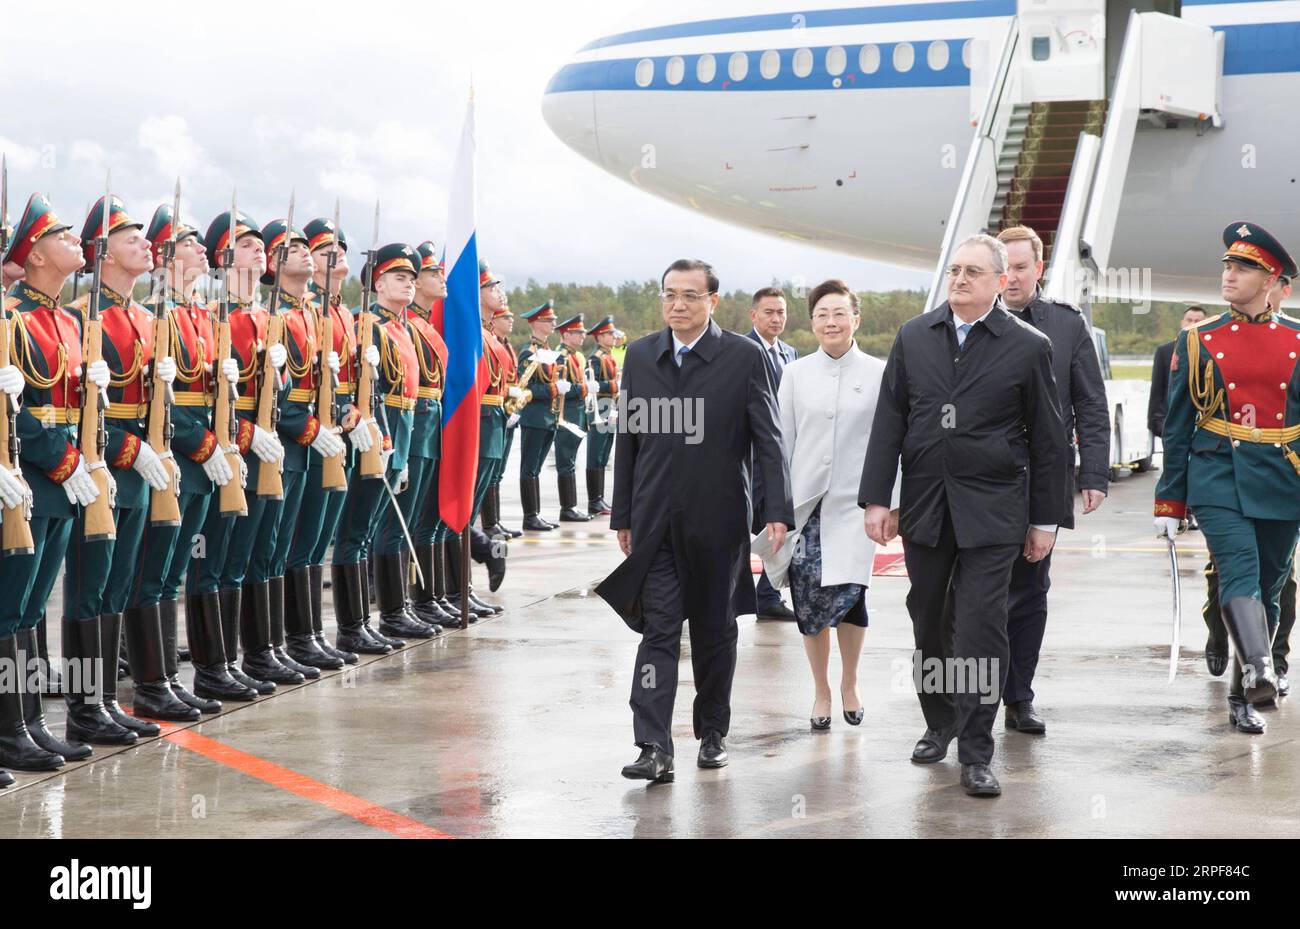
[1255,434]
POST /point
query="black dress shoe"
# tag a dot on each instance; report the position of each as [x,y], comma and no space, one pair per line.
[933,746]
[777,610]
[655,765]
[820,722]
[854,717]
[6,778]
[979,781]
[534,523]
[713,751]
[1243,717]
[1022,717]
[571,514]
[1216,656]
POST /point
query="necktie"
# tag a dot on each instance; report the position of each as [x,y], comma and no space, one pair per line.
[681,354]
[776,356]
[962,332]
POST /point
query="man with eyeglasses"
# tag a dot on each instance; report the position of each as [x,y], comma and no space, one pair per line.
[682,510]
[970,405]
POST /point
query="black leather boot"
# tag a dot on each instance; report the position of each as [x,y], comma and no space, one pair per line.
[349,609]
[390,584]
[492,554]
[596,504]
[277,585]
[490,516]
[530,492]
[453,553]
[569,512]
[499,528]
[1248,626]
[85,675]
[51,683]
[33,711]
[1241,714]
[423,601]
[153,694]
[440,578]
[367,598]
[171,660]
[110,634]
[212,678]
[6,779]
[232,621]
[410,585]
[255,630]
[316,573]
[300,641]
[17,749]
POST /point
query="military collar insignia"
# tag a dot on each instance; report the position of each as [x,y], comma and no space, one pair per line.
[34,295]
[1237,316]
[112,297]
[389,314]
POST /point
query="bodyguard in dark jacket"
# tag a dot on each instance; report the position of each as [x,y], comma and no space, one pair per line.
[969,403]
[1158,402]
[696,402]
[1081,391]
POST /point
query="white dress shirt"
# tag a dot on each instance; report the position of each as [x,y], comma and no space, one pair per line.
[678,345]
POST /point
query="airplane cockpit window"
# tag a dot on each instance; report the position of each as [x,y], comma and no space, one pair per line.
[706,69]
[836,60]
[770,64]
[803,62]
[645,72]
[904,57]
[869,59]
[936,56]
[675,70]
[738,66]
[1041,47]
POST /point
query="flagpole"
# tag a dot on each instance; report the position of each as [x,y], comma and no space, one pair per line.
[464,577]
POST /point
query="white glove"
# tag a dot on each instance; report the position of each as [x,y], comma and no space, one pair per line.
[266,446]
[327,444]
[112,485]
[80,486]
[217,468]
[361,437]
[512,421]
[11,380]
[612,416]
[150,467]
[97,373]
[384,455]
[278,355]
[592,388]
[230,370]
[402,480]
[167,370]
[243,467]
[562,387]
[12,489]
[332,362]
[1167,527]
[516,393]
[372,356]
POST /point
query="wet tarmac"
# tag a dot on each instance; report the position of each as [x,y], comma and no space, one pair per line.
[519,725]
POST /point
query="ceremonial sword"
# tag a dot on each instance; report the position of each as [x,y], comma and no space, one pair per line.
[1178,609]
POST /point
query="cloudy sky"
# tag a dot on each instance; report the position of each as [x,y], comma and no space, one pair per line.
[362,101]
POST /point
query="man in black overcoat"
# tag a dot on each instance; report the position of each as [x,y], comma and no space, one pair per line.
[696,403]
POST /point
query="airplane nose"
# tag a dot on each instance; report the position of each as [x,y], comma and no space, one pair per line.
[571,112]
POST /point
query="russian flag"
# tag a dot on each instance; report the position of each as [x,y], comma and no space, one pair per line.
[467,372]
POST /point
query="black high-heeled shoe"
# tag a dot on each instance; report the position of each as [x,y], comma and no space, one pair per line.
[854,717]
[819,723]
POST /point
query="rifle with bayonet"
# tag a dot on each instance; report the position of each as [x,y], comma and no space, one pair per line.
[164,505]
[270,480]
[333,476]
[224,424]
[17,530]
[93,436]
[371,464]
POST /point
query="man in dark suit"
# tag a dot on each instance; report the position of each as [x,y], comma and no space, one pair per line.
[969,403]
[697,403]
[1081,390]
[1158,401]
[768,314]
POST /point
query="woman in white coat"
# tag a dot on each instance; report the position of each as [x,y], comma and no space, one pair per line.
[828,401]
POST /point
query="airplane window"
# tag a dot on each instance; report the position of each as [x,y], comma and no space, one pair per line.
[965,54]
[869,59]
[937,55]
[675,70]
[770,64]
[738,66]
[645,72]
[904,57]
[803,62]
[836,61]
[706,69]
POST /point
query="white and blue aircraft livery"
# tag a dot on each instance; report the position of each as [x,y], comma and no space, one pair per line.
[1131,140]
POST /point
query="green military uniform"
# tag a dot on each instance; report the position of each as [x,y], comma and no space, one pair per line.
[602,367]
[572,368]
[492,502]
[1230,455]
[536,421]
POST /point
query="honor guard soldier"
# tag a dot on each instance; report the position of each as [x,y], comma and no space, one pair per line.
[396,388]
[502,324]
[573,369]
[220,569]
[321,508]
[392,553]
[426,442]
[543,382]
[166,547]
[602,369]
[46,349]
[1231,438]
[101,572]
